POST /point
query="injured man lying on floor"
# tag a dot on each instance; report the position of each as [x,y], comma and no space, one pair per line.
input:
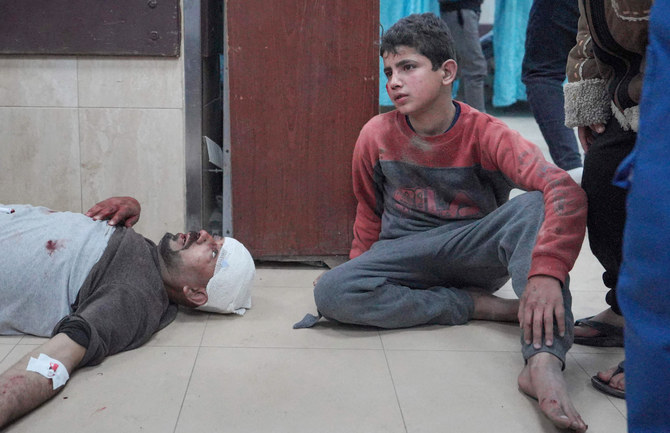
[96,288]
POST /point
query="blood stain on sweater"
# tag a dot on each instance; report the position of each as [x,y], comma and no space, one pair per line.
[53,246]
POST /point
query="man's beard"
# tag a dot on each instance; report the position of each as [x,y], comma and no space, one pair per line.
[171,257]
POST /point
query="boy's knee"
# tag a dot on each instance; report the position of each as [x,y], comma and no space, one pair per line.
[334,296]
[326,292]
[529,211]
[533,203]
[533,198]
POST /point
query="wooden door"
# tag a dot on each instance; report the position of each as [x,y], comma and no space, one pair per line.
[303,80]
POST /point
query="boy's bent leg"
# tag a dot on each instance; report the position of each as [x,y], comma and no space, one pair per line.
[518,243]
[22,391]
[522,218]
[408,281]
[542,376]
[419,279]
[513,229]
[363,292]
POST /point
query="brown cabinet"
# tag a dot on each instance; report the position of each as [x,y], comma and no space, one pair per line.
[303,80]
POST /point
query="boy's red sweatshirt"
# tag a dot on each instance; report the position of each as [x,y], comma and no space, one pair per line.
[405,183]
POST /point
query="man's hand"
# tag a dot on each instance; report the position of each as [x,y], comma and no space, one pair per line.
[541,302]
[117,210]
[585,134]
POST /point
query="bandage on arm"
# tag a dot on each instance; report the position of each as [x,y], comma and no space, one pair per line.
[22,391]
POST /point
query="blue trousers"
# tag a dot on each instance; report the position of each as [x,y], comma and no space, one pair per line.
[644,282]
[551,32]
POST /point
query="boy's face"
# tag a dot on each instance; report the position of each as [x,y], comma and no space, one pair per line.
[413,86]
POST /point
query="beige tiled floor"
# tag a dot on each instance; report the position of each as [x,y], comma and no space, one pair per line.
[255,374]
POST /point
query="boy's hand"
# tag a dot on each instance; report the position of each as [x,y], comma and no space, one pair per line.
[541,302]
[116,210]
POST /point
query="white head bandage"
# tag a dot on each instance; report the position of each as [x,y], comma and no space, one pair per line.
[229,290]
[49,368]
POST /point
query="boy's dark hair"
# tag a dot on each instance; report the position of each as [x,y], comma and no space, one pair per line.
[426,33]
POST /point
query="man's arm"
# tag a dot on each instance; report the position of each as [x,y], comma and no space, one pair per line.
[22,391]
[117,210]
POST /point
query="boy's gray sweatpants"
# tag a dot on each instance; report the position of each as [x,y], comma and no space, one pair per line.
[418,279]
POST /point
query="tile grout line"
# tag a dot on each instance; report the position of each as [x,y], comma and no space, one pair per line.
[388,367]
[12,347]
[79,137]
[574,359]
[190,376]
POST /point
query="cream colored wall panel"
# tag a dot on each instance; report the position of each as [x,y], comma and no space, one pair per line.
[128,82]
[136,152]
[38,82]
[39,162]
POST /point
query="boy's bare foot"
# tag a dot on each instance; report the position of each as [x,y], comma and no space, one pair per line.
[607,317]
[489,307]
[543,380]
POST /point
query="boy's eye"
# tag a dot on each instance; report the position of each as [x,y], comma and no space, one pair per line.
[214,253]
[408,67]
[388,74]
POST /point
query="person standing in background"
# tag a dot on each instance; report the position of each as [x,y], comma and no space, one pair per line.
[462,18]
[551,32]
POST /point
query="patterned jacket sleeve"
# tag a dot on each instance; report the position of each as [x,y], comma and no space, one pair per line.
[586,98]
[367,224]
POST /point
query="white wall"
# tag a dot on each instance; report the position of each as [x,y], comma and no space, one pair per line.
[488,12]
[75,130]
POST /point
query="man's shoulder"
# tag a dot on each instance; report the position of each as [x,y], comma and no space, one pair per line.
[129,236]
[131,253]
[128,265]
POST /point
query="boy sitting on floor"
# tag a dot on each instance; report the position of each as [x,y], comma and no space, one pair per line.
[435,234]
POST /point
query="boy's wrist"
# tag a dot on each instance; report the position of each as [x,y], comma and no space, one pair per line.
[550,267]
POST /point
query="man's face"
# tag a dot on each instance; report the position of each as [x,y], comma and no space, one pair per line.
[191,257]
[412,84]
